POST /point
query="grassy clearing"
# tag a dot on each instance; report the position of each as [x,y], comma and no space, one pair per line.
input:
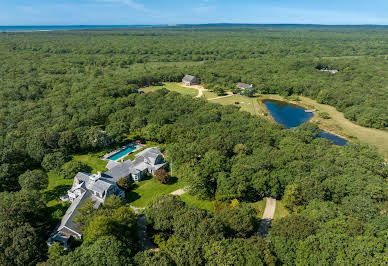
[280,211]
[193,201]
[259,207]
[339,125]
[173,87]
[93,160]
[247,104]
[57,186]
[147,190]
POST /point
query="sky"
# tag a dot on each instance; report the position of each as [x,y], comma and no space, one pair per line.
[152,12]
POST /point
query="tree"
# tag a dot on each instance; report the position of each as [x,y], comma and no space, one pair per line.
[239,251]
[150,258]
[292,199]
[53,161]
[99,227]
[70,169]
[55,252]
[104,251]
[240,221]
[68,142]
[162,211]
[33,180]
[162,176]
[124,184]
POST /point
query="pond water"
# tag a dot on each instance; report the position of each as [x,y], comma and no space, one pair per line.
[290,115]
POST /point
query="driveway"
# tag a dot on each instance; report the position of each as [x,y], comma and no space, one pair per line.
[268,215]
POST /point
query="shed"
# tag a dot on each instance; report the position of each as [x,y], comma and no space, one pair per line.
[189,80]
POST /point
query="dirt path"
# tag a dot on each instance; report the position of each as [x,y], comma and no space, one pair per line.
[145,242]
[221,97]
[199,88]
[268,215]
[178,192]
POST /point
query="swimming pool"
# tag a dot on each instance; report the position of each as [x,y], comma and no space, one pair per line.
[122,153]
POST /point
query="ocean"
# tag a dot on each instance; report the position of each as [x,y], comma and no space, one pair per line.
[70,27]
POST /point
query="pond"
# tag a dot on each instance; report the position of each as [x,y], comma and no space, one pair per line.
[290,115]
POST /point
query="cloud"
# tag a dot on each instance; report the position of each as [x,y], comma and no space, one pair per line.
[130,3]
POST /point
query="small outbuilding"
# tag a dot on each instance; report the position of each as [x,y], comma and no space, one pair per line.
[189,80]
[244,86]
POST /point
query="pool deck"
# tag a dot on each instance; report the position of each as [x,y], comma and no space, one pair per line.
[106,156]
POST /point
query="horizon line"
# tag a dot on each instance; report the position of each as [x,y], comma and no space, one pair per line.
[187,24]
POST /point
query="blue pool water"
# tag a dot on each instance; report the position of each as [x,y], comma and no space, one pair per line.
[290,115]
[122,153]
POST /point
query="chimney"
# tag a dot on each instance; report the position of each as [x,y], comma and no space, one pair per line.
[98,174]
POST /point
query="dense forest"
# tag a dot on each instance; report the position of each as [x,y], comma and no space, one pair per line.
[65,93]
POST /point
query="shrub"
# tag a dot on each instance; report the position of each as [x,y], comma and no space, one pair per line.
[162,176]
[124,184]
[324,115]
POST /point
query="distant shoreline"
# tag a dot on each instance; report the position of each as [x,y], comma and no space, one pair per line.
[91,27]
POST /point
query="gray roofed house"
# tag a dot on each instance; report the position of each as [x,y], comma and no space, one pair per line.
[244,86]
[95,187]
[99,187]
[189,80]
[147,161]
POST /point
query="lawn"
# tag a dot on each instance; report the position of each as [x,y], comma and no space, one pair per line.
[247,104]
[280,211]
[147,190]
[193,201]
[57,186]
[173,87]
[92,160]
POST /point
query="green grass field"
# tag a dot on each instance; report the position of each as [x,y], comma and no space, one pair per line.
[147,190]
[173,87]
[280,211]
[247,104]
[193,201]
[93,160]
[57,186]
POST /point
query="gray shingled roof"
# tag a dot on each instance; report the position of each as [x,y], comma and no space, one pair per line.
[67,220]
[121,170]
[189,78]
[244,85]
[111,164]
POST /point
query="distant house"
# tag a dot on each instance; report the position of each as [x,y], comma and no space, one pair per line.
[331,71]
[244,86]
[189,80]
[99,187]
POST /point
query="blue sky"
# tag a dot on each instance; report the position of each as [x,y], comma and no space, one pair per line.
[130,12]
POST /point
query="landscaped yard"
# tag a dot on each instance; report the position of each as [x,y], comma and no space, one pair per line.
[173,87]
[147,190]
[195,202]
[57,187]
[93,160]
